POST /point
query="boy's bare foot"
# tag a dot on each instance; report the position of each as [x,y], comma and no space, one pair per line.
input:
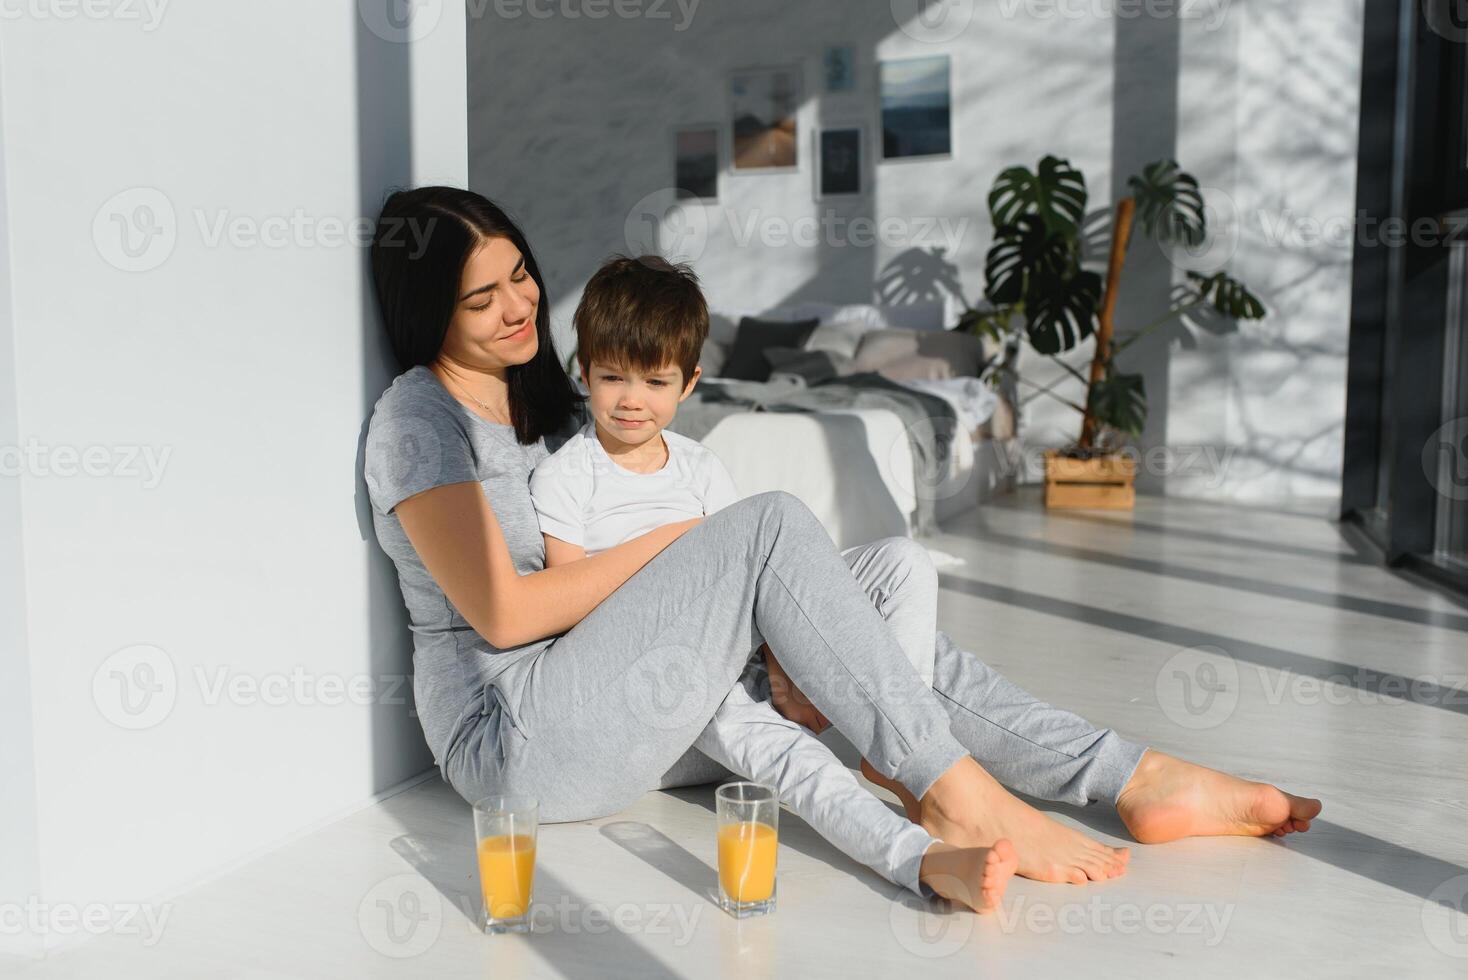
[1167,798]
[968,808]
[972,876]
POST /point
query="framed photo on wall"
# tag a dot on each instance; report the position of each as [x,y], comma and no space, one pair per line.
[696,162]
[763,105]
[839,67]
[917,110]
[838,162]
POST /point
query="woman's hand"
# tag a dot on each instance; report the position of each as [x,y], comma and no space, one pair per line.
[788,699]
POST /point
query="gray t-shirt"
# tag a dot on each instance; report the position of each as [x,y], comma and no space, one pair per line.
[420,437]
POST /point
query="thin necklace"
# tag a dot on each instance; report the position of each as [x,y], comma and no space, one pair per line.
[476,401]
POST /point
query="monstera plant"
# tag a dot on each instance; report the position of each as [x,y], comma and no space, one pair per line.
[1039,287]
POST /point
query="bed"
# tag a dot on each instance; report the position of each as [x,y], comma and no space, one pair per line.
[866,471]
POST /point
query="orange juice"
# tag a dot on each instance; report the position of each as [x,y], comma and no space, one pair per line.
[506,870]
[747,860]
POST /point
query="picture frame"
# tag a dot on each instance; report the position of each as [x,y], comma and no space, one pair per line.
[840,161]
[696,162]
[764,125]
[916,103]
[838,67]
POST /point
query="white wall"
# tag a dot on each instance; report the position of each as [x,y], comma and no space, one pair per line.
[570,127]
[247,365]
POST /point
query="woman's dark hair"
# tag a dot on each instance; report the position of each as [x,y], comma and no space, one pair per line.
[423,239]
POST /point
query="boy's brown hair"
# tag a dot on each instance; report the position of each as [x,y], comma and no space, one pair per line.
[641,314]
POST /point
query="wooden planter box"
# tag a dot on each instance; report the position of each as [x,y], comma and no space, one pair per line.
[1102,482]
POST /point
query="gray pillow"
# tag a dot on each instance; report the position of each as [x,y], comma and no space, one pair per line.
[711,358]
[814,366]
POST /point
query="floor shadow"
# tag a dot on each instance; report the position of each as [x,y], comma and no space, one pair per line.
[795,834]
[1212,537]
[1151,566]
[1388,685]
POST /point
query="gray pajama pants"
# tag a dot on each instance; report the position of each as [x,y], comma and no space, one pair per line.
[750,738]
[611,708]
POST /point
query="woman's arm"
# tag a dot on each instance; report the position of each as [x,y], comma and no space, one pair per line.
[456,534]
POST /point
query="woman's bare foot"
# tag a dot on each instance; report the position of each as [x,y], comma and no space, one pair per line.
[972,876]
[967,807]
[909,802]
[1167,798]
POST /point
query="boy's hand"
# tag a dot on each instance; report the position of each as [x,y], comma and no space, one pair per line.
[790,700]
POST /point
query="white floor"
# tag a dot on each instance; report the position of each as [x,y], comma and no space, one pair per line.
[1247,640]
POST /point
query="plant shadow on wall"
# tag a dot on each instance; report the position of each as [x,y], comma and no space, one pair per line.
[1040,286]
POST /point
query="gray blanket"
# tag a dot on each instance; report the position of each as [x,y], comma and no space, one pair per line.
[929,421]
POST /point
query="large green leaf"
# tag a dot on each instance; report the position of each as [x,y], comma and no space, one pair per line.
[1056,194]
[1169,203]
[1227,296]
[1021,251]
[1060,311]
[1120,402]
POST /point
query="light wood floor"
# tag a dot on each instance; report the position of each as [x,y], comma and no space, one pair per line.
[1248,640]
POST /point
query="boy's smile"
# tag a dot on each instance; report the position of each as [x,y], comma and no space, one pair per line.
[632,407]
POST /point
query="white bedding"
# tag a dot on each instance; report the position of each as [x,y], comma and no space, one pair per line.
[852,467]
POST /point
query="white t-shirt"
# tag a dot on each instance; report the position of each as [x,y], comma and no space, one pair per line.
[584,497]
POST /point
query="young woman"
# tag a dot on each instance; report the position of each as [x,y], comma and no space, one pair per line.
[585,685]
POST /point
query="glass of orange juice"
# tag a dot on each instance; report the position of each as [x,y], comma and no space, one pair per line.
[505,828]
[749,816]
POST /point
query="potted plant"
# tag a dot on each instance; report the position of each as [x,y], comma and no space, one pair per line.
[1040,290]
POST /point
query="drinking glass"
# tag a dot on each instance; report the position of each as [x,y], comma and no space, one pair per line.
[748,816]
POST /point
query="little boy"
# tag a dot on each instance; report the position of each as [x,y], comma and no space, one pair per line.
[640,327]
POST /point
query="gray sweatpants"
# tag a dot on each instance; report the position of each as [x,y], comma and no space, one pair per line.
[750,738]
[604,713]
